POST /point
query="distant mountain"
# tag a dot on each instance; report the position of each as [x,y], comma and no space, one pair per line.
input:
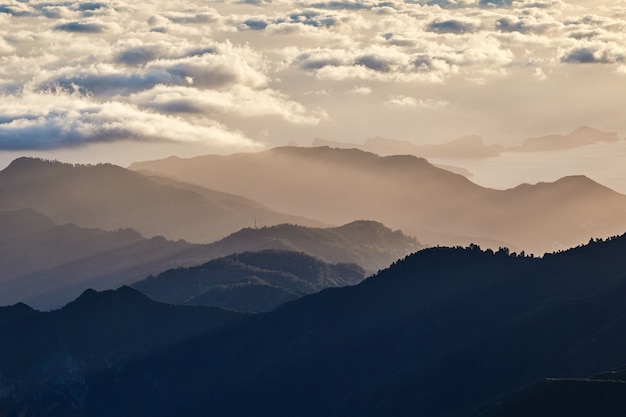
[600,395]
[582,136]
[251,281]
[366,243]
[49,360]
[471,146]
[441,333]
[47,265]
[110,197]
[408,193]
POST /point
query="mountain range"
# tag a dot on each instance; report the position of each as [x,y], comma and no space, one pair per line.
[473,146]
[110,197]
[250,281]
[408,193]
[443,332]
[47,265]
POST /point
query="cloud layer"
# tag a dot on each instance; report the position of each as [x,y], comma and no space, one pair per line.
[243,74]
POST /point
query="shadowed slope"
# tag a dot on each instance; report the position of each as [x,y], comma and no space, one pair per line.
[251,281]
[440,333]
[46,265]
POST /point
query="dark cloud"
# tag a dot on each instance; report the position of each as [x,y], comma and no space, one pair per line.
[592,55]
[81,27]
[255,24]
[340,5]
[509,24]
[136,56]
[199,18]
[109,85]
[374,63]
[451,26]
[495,3]
[310,63]
[14,11]
[90,6]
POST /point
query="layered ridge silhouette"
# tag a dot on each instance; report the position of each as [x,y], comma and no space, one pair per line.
[444,332]
[408,193]
[250,281]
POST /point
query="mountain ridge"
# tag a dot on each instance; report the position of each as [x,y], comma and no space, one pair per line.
[410,194]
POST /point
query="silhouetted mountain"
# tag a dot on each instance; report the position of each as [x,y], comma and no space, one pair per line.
[251,281]
[443,332]
[408,193]
[46,265]
[602,395]
[366,243]
[47,360]
[582,136]
[110,197]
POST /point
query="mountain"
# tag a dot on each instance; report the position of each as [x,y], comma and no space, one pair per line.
[110,197]
[443,332]
[470,146]
[251,281]
[366,243]
[599,395]
[582,136]
[47,360]
[47,265]
[408,193]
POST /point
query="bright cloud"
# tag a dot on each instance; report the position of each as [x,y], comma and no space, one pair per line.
[230,72]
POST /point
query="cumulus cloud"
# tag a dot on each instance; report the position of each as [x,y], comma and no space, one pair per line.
[82,27]
[259,64]
[240,100]
[595,54]
[46,121]
[455,26]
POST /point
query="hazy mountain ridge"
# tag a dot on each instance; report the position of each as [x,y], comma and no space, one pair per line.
[581,136]
[408,193]
[366,243]
[110,197]
[251,281]
[496,322]
[48,265]
[473,146]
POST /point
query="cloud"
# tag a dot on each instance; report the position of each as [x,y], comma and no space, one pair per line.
[595,54]
[455,26]
[82,27]
[401,102]
[47,121]
[240,100]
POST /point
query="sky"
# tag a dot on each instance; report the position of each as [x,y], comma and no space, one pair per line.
[126,81]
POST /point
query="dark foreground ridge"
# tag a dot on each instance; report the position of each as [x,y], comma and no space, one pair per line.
[444,332]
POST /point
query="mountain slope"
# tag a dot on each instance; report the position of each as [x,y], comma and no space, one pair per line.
[111,197]
[441,333]
[47,360]
[408,193]
[46,265]
[251,281]
[600,395]
[582,136]
[366,243]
